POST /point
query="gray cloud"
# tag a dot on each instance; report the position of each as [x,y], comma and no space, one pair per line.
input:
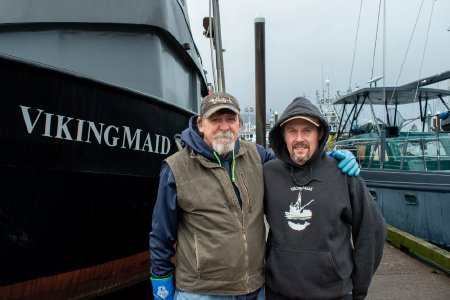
[309,41]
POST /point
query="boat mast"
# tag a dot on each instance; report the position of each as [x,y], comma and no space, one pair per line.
[218,47]
[384,51]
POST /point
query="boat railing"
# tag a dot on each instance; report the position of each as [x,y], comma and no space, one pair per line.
[410,152]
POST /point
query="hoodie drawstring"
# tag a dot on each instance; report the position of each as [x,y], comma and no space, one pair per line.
[233,164]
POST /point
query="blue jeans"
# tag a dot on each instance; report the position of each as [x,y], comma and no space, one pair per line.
[180,295]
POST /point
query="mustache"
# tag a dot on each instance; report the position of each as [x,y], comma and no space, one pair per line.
[301,144]
[224,135]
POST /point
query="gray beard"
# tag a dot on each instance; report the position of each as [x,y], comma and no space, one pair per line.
[221,146]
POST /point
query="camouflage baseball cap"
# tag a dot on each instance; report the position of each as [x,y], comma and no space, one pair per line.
[217,101]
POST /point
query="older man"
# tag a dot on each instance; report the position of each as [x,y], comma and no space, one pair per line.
[210,203]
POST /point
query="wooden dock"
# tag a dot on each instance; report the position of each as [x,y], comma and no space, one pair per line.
[404,277]
[399,277]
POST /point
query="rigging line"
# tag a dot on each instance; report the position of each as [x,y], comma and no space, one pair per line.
[424,50]
[211,46]
[407,50]
[354,50]
[376,38]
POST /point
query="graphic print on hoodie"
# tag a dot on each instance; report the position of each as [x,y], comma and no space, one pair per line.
[297,215]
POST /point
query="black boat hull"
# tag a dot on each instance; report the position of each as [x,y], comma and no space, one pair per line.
[79,166]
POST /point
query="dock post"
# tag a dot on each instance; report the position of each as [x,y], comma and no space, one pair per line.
[260,82]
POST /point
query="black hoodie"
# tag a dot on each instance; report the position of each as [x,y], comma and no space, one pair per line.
[326,234]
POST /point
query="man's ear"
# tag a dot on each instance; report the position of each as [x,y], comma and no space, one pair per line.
[199,124]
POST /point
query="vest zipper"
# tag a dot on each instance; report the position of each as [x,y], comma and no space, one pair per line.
[249,202]
[196,255]
[247,276]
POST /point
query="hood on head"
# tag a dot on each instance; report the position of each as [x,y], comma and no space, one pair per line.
[300,106]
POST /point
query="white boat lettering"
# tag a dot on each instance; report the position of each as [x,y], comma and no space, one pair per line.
[107,135]
[78,130]
[27,119]
[62,126]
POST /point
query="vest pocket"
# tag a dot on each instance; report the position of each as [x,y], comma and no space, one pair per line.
[218,258]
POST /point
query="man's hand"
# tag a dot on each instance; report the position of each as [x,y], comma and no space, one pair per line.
[347,164]
[163,288]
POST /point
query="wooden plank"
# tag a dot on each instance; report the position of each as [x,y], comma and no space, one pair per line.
[439,257]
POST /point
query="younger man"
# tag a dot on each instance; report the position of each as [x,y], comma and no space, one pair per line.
[326,235]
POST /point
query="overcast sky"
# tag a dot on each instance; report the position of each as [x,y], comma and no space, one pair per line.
[309,41]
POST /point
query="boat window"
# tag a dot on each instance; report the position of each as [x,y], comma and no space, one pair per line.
[373,193]
[413,149]
[376,154]
[410,199]
[431,148]
[361,151]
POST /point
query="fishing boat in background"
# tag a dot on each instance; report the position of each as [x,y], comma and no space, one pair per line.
[329,112]
[327,109]
[92,94]
[248,129]
[407,172]
[248,132]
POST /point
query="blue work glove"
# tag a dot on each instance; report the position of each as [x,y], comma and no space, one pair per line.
[443,115]
[347,164]
[162,288]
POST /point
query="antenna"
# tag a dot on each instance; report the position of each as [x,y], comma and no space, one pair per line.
[374,80]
